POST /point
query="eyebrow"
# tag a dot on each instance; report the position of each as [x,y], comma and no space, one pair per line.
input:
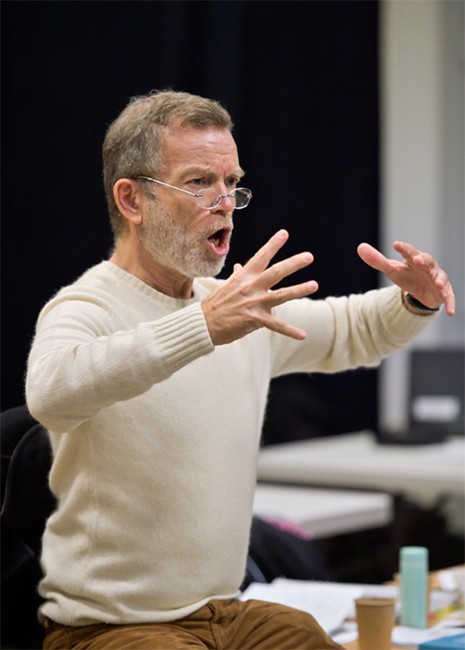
[205,171]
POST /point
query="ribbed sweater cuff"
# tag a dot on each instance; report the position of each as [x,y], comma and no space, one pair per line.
[402,324]
[183,336]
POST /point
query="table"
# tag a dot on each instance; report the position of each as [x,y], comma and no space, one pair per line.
[353,645]
[324,512]
[357,460]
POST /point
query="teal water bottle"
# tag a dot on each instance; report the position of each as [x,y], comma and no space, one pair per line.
[414,586]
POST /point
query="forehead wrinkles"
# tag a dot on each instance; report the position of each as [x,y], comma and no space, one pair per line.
[199,148]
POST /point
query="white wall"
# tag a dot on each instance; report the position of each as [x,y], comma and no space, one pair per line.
[422,160]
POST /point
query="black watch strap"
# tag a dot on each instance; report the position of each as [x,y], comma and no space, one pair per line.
[419,305]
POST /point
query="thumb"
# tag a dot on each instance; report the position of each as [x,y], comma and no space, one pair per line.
[372,256]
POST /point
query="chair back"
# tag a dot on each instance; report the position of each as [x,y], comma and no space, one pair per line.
[27,502]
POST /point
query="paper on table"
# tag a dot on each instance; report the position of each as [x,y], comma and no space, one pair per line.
[327,602]
[409,636]
[331,603]
[373,591]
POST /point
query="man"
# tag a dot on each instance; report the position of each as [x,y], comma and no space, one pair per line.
[152,378]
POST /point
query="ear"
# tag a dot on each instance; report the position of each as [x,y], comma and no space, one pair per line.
[128,197]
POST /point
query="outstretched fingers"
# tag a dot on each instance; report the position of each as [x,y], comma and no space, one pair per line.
[281,327]
[284,294]
[373,257]
[418,273]
[277,272]
[268,276]
[407,251]
[245,301]
[265,254]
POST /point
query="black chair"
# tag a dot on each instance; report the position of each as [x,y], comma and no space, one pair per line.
[280,550]
[26,504]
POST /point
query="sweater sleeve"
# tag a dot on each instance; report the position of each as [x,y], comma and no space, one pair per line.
[346,332]
[79,364]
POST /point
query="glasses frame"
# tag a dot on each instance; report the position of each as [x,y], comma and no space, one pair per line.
[216,202]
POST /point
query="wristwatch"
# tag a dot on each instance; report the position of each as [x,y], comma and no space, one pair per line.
[415,306]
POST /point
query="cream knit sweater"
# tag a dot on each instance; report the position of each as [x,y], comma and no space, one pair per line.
[155,435]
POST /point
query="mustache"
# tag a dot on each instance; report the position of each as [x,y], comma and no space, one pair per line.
[217,227]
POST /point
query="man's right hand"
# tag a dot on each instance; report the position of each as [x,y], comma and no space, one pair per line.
[244,302]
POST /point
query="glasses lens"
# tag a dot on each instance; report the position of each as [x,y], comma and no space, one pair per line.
[210,199]
[242,197]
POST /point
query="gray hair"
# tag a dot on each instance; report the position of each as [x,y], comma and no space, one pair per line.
[133,143]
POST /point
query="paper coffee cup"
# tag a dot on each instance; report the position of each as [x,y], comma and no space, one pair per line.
[375,620]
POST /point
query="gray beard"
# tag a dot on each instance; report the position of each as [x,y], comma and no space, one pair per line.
[170,245]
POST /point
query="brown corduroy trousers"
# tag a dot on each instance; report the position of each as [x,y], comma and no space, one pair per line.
[219,625]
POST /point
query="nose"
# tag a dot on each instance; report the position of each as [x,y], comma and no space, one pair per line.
[225,203]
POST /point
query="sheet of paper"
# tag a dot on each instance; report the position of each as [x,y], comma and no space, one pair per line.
[375,591]
[346,634]
[409,636]
[328,603]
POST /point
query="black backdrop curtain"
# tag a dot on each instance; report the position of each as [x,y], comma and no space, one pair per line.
[301,81]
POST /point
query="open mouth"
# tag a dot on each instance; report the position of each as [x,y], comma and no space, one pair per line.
[219,241]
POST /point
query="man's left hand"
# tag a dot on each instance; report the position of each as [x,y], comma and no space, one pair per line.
[418,274]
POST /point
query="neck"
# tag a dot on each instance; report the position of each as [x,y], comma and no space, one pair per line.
[142,265]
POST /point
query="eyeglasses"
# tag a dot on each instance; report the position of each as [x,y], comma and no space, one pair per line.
[209,200]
